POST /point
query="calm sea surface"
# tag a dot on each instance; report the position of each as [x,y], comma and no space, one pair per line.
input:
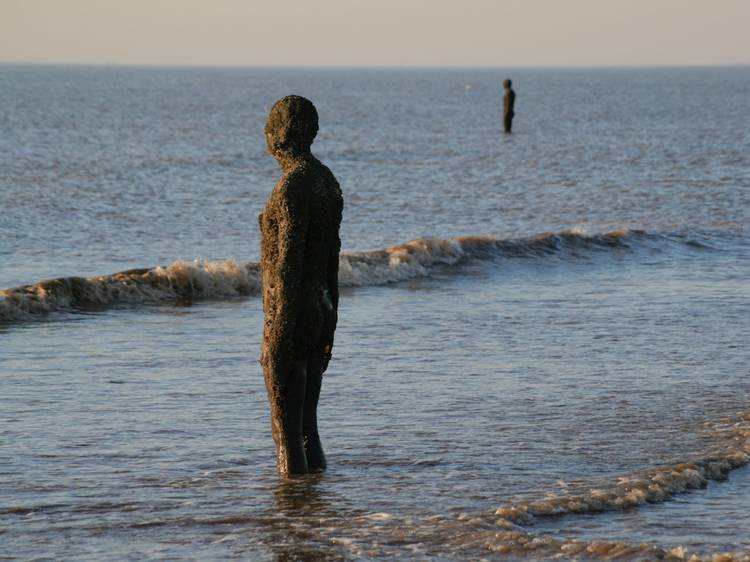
[567,338]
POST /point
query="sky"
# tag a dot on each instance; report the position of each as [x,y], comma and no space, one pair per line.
[493,33]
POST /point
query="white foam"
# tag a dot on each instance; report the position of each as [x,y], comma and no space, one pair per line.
[398,263]
[210,279]
[229,278]
[731,450]
[379,516]
[181,279]
[529,546]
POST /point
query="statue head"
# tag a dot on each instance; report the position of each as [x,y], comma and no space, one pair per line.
[291,127]
[506,83]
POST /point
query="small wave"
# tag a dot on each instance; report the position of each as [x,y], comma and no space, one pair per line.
[179,281]
[418,257]
[186,281]
[537,547]
[399,262]
[732,441]
[506,532]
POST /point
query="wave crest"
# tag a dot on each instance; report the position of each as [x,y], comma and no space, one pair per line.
[183,280]
[180,280]
[732,441]
[398,263]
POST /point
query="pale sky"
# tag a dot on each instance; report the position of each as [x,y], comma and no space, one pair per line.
[497,33]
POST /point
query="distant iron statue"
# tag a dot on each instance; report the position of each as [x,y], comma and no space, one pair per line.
[299,262]
[509,100]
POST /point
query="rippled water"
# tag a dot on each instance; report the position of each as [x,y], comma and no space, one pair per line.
[467,376]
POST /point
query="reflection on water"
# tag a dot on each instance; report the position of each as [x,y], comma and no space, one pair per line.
[301,517]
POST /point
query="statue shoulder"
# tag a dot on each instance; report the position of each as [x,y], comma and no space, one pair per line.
[294,186]
[331,183]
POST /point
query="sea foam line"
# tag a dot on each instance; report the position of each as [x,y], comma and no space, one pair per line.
[541,547]
[506,532]
[200,279]
[731,438]
[179,280]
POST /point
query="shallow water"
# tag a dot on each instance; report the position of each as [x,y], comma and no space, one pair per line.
[467,376]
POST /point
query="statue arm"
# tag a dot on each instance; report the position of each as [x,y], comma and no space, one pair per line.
[332,283]
[292,217]
[333,263]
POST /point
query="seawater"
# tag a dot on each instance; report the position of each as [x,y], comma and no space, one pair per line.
[542,349]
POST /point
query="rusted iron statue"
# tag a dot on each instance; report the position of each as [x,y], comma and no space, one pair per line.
[299,261]
[509,100]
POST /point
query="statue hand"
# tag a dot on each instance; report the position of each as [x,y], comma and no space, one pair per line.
[329,328]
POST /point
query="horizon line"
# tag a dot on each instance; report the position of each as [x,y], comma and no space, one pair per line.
[376,66]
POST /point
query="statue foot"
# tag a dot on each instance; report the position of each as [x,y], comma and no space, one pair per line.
[316,459]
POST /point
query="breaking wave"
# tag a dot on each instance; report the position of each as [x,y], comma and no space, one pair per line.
[179,281]
[185,281]
[508,531]
[731,449]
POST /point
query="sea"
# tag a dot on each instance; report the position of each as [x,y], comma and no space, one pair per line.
[542,349]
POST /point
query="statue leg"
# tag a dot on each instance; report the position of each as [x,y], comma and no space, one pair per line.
[287,402]
[316,460]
